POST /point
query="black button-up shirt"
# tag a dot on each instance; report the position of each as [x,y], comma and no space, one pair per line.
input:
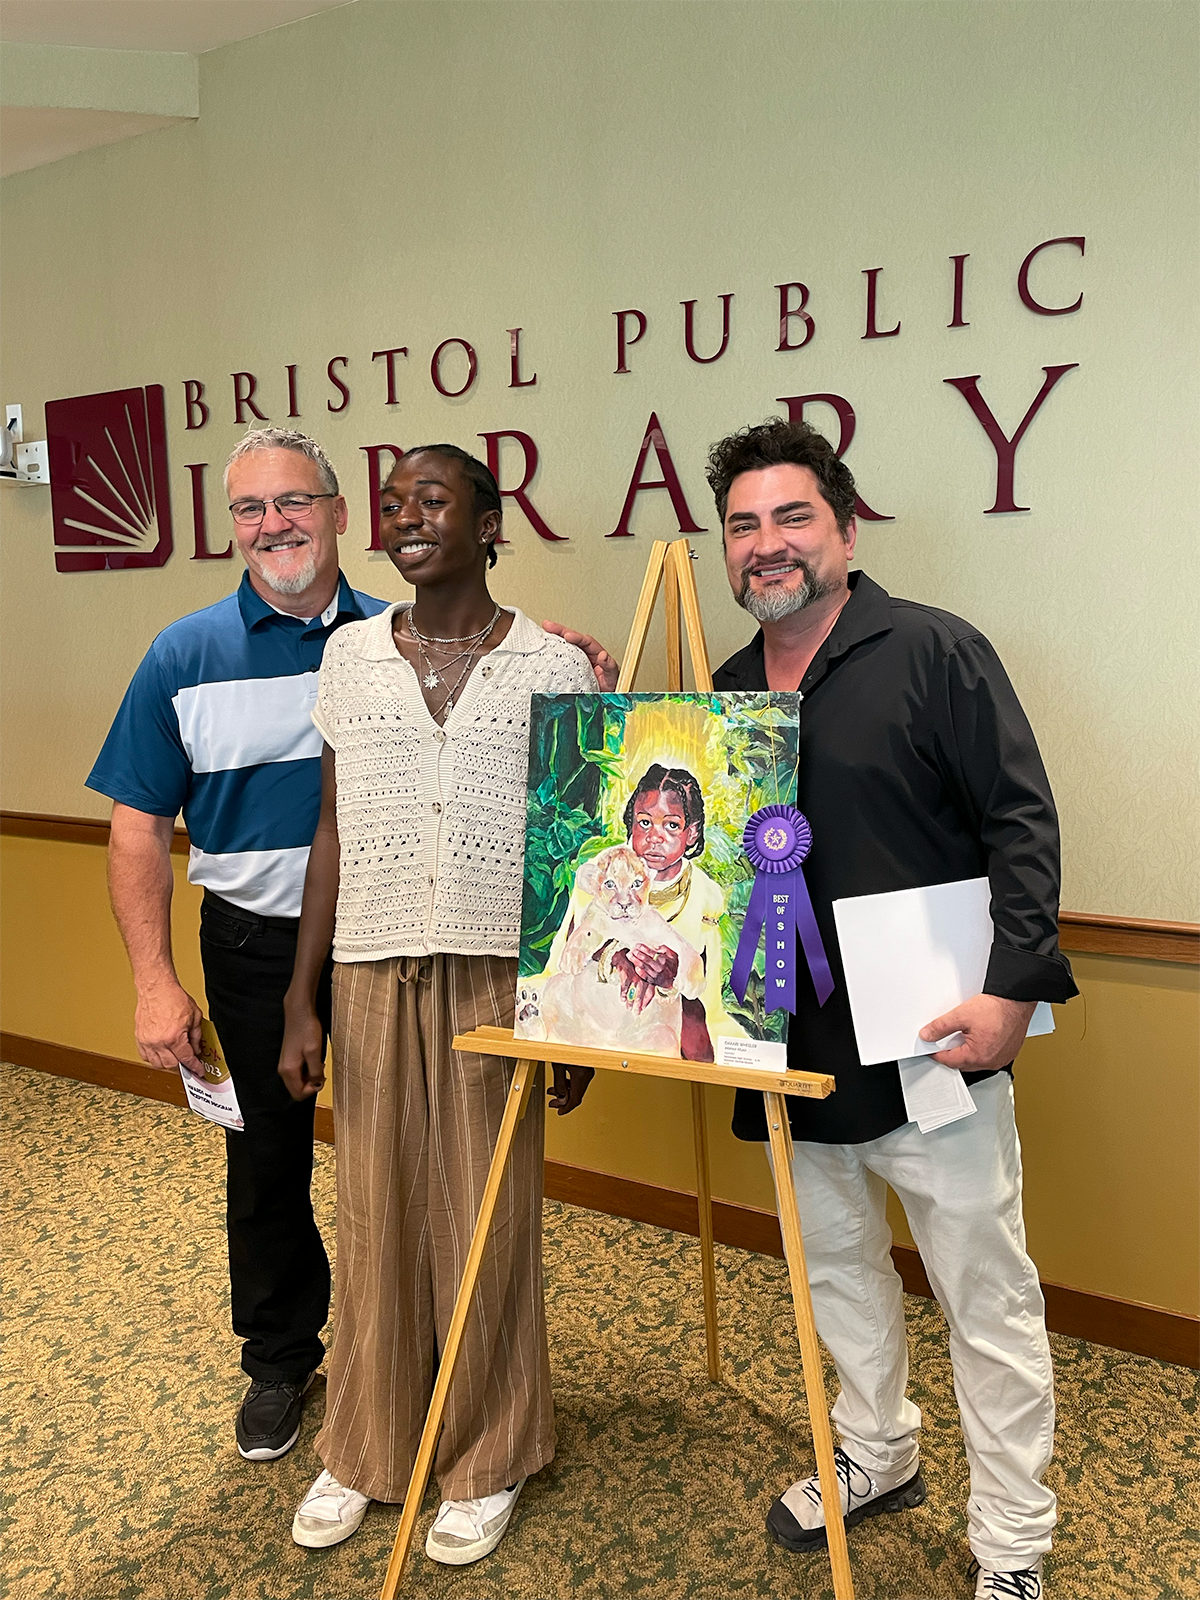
[917,767]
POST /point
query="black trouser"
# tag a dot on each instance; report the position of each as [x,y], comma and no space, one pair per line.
[278,1269]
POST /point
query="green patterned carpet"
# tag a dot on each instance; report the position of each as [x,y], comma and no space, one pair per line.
[121,1383]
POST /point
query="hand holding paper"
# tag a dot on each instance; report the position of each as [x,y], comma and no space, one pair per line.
[166,1026]
[914,960]
[909,952]
[990,1032]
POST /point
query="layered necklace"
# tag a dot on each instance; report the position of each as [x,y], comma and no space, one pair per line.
[469,643]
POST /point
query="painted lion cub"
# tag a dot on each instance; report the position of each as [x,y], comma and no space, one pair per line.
[583,1002]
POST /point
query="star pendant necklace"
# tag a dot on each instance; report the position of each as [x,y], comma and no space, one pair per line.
[432,677]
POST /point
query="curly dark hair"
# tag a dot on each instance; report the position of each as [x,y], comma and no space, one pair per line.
[685,788]
[772,443]
[483,485]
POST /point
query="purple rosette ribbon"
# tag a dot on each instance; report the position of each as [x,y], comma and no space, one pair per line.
[777,839]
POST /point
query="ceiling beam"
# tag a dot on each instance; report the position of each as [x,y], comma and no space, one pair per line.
[63,77]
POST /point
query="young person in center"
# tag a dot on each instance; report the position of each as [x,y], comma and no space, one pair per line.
[665,823]
[415,880]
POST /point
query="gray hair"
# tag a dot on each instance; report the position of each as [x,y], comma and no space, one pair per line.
[284,439]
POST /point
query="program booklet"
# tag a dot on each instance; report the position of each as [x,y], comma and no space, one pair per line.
[215,1098]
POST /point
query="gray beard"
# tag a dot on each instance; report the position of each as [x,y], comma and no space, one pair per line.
[297,582]
[772,605]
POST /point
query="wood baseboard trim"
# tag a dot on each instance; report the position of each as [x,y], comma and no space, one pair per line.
[72,830]
[1148,940]
[114,1072]
[1085,931]
[1122,1324]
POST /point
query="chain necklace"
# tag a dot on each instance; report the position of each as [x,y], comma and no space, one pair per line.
[466,638]
[432,677]
[448,703]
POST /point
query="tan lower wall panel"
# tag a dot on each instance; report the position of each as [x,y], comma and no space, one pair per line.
[1122,1324]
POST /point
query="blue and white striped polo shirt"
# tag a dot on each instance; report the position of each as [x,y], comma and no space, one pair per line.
[217,723]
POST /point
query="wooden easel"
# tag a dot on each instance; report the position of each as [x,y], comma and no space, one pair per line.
[670,569]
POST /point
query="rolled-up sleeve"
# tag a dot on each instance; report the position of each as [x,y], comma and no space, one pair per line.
[993,764]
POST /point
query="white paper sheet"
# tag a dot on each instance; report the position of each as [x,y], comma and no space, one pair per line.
[934,1095]
[910,956]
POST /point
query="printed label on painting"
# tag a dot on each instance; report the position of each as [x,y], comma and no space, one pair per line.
[637,880]
[762,1053]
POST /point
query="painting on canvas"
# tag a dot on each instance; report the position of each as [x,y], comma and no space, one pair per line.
[636,878]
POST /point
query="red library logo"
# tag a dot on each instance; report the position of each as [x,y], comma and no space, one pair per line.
[109,492]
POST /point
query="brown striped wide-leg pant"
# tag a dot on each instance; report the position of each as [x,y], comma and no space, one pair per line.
[416,1124]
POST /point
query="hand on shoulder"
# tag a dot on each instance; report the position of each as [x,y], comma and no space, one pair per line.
[604,666]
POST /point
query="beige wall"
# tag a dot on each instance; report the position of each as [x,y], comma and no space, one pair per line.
[392,174]
[1108,1105]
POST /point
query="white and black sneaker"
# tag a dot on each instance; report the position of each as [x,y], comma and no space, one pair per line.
[797,1519]
[268,1423]
[1025,1584]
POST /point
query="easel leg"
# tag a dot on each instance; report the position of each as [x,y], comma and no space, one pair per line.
[692,621]
[814,1382]
[651,584]
[523,1079]
[712,1336]
[673,636]
[672,589]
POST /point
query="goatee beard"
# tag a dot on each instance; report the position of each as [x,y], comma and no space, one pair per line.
[293,582]
[777,602]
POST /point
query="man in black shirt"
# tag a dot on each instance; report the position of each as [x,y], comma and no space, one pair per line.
[917,767]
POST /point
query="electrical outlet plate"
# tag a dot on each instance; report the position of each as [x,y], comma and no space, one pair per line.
[33,462]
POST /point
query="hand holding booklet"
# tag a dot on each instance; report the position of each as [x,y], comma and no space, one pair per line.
[214,1095]
[910,956]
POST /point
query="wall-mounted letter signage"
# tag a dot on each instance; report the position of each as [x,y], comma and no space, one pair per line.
[108,451]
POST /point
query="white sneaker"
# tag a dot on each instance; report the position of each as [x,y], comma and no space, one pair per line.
[797,1519]
[467,1530]
[328,1513]
[1023,1585]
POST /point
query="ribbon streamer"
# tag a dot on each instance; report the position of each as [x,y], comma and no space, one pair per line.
[777,839]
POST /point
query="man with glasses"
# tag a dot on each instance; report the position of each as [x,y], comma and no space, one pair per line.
[217,724]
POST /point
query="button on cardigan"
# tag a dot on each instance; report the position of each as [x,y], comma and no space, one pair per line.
[432,819]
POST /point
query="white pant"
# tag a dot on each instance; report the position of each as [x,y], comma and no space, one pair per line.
[961,1191]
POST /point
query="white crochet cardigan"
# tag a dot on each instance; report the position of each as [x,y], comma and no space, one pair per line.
[432,820]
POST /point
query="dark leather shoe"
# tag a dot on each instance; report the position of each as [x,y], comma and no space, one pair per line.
[268,1423]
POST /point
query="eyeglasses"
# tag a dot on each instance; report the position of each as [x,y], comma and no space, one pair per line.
[290,506]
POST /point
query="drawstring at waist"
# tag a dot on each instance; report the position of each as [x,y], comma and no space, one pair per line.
[413,969]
